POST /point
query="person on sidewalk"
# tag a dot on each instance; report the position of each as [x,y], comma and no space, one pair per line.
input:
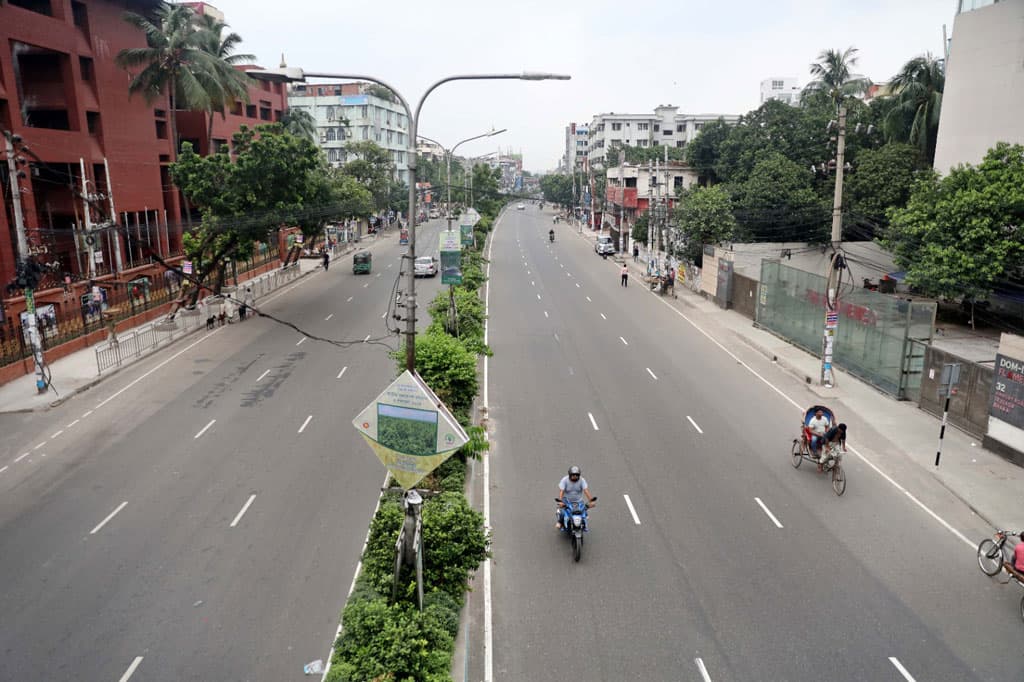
[327,259]
[625,275]
[247,301]
[671,282]
[636,253]
[112,331]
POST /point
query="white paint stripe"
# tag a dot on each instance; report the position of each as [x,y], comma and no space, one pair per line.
[3,469]
[545,313]
[390,264]
[300,341]
[556,337]
[305,423]
[86,413]
[341,372]
[39,446]
[384,314]
[367,338]
[328,317]
[538,297]
[577,285]
[366,285]
[263,375]
[651,373]
[245,508]
[903,671]
[203,430]
[532,283]
[588,300]
[603,317]
[624,342]
[703,671]
[699,430]
[801,408]
[56,434]
[131,669]
[349,300]
[72,423]
[378,274]
[109,516]
[173,357]
[20,457]
[768,512]
[593,422]
[632,509]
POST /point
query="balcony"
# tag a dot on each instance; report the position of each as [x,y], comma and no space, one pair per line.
[621,196]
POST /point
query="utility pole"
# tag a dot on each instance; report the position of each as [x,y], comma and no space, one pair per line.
[12,168]
[650,211]
[836,264]
[87,214]
[622,198]
[113,218]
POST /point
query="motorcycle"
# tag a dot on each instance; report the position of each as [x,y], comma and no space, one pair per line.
[551,237]
[574,521]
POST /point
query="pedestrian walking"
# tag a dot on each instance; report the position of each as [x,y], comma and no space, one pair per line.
[247,300]
[636,253]
[327,259]
[625,275]
[672,281]
[112,331]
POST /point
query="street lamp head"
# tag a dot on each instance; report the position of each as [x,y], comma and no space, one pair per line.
[534,76]
[287,74]
[496,132]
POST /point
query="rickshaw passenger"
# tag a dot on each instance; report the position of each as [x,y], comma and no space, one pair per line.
[817,427]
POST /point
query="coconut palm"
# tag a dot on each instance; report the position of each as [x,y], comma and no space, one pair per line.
[917,89]
[174,63]
[832,76]
[226,83]
[300,123]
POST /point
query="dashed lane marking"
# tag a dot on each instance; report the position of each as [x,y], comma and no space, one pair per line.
[632,509]
[703,671]
[593,422]
[56,434]
[263,375]
[328,317]
[131,669]
[624,342]
[903,671]
[305,423]
[245,508]
[203,430]
[768,512]
[300,341]
[20,457]
[651,373]
[72,423]
[341,372]
[699,430]
[106,520]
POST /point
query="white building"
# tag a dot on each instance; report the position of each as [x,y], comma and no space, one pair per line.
[354,112]
[577,140]
[984,93]
[665,127]
[784,89]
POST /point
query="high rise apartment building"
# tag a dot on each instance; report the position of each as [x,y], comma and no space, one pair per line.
[782,88]
[577,139]
[665,127]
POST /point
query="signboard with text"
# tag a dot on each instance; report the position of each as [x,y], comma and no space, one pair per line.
[451,257]
[1008,391]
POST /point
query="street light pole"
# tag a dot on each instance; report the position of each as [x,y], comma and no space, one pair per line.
[834,269]
[292,74]
[448,154]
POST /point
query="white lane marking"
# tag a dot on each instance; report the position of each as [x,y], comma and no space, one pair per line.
[203,430]
[367,338]
[488,612]
[378,274]
[109,516]
[56,434]
[624,342]
[39,446]
[699,430]
[577,285]
[768,512]
[546,314]
[263,375]
[651,373]
[72,423]
[86,413]
[532,283]
[632,509]
[527,272]
[797,405]
[131,669]
[559,265]
[300,341]
[384,314]
[593,422]
[903,671]
[349,300]
[603,317]
[173,357]
[588,300]
[328,317]
[538,297]
[703,671]
[556,337]
[305,423]
[366,285]
[3,469]
[390,264]
[341,372]
[20,457]
[245,508]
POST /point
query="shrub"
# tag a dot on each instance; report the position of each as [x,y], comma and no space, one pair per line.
[444,608]
[448,368]
[454,540]
[379,557]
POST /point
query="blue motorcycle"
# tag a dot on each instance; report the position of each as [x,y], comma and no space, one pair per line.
[574,522]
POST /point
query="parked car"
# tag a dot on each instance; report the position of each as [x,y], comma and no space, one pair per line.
[521,207]
[604,245]
[425,266]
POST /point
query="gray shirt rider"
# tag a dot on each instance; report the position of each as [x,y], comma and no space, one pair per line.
[572,491]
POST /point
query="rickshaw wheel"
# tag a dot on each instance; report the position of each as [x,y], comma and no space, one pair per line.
[838,479]
[798,455]
[1022,608]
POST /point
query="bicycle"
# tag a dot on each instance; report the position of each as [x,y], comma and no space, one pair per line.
[991,553]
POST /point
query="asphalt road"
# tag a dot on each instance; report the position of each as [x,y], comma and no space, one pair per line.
[710,557]
[200,515]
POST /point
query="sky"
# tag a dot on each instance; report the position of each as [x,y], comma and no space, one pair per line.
[625,56]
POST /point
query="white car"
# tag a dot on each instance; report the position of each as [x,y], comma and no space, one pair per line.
[425,266]
[521,207]
[604,245]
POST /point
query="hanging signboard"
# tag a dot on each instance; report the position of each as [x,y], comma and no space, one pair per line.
[410,429]
[467,234]
[186,267]
[451,257]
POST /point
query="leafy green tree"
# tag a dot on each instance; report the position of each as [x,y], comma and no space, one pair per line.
[372,166]
[882,180]
[486,195]
[832,75]
[224,83]
[348,196]
[702,154]
[960,234]
[917,91]
[777,203]
[299,122]
[641,155]
[448,368]
[640,227]
[557,188]
[704,217]
[174,63]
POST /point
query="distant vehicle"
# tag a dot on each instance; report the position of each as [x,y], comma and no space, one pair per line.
[362,262]
[604,245]
[425,266]
[521,207]
[434,213]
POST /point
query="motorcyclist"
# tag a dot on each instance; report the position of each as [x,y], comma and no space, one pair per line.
[551,234]
[572,489]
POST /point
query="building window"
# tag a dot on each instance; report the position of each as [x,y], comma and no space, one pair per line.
[642,143]
[680,127]
[667,131]
[217,145]
[777,85]
[366,132]
[680,143]
[643,126]
[331,135]
[39,6]
[698,126]
[161,130]
[277,115]
[41,86]
[92,120]
[364,111]
[236,108]
[657,127]
[264,111]
[80,16]
[677,182]
[616,126]
[250,110]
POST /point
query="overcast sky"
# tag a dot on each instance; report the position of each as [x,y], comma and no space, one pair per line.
[627,56]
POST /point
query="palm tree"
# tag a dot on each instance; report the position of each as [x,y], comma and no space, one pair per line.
[226,83]
[832,76]
[300,123]
[174,63]
[917,89]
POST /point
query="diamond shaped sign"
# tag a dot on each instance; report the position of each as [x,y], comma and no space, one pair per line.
[410,429]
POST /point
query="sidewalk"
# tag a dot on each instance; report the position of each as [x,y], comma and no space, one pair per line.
[77,372]
[984,481]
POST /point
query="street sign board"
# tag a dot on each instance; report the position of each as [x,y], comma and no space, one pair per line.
[469,217]
[186,267]
[467,234]
[451,257]
[410,429]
